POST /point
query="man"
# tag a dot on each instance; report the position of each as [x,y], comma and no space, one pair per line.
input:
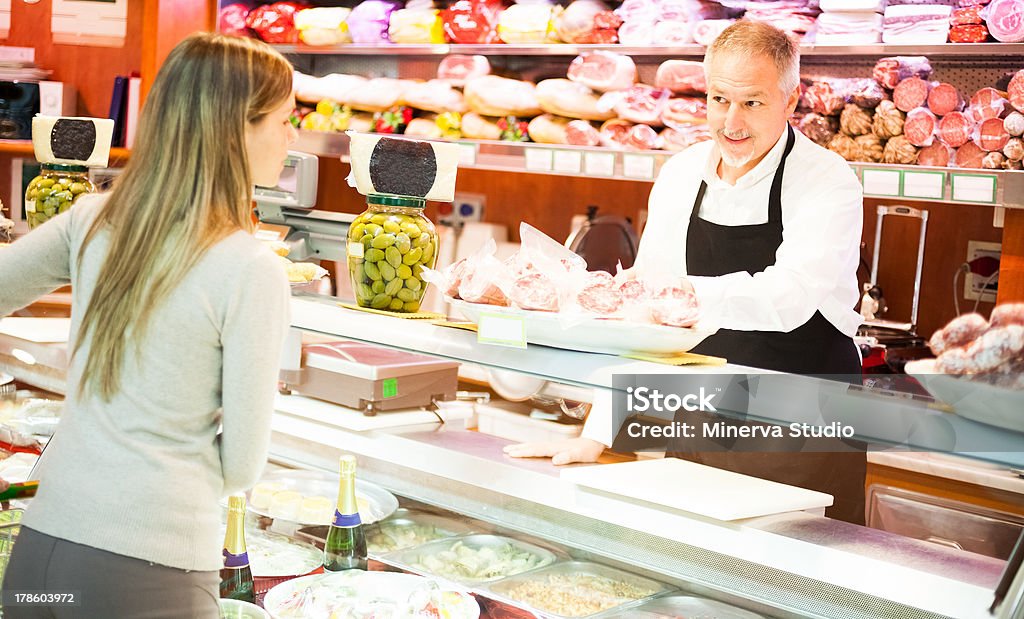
[766,226]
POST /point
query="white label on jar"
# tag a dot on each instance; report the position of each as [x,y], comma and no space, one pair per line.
[355,250]
[30,206]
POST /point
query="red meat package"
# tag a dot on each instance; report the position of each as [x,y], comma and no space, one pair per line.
[275,23]
[472,21]
[232,19]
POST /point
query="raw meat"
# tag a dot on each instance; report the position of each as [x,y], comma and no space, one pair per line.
[966,16]
[937,155]
[992,136]
[603,71]
[642,137]
[685,111]
[704,32]
[919,128]
[955,129]
[498,96]
[576,22]
[471,22]
[456,69]
[944,98]
[672,33]
[535,291]
[599,294]
[821,98]
[581,133]
[1005,19]
[987,103]
[570,99]
[638,104]
[681,77]
[232,20]
[972,33]
[615,132]
[674,306]
[910,93]
[892,70]
[636,33]
[970,155]
[1015,91]
[677,139]
[548,129]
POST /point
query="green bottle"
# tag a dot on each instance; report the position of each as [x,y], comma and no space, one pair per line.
[345,548]
[236,576]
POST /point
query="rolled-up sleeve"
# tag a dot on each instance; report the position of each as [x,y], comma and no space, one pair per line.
[35,264]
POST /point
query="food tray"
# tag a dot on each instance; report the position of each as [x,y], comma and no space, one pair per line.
[9,526]
[272,555]
[599,335]
[439,559]
[972,399]
[378,502]
[568,580]
[683,606]
[387,593]
[407,529]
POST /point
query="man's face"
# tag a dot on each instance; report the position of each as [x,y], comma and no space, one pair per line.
[747,111]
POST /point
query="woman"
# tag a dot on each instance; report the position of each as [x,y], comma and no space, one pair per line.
[178,320]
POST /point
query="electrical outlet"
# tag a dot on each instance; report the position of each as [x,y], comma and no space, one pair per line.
[466,207]
[983,286]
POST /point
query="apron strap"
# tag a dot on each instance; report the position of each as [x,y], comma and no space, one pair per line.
[698,200]
[775,197]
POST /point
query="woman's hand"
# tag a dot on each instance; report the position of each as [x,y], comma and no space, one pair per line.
[566,451]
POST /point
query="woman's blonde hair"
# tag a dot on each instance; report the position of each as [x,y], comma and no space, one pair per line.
[186,187]
[753,38]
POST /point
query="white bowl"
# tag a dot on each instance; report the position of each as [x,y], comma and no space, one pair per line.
[237,609]
[980,401]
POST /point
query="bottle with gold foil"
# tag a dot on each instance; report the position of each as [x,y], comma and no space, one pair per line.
[345,548]
[236,576]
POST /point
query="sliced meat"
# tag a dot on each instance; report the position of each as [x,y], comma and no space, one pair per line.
[603,71]
[910,93]
[992,136]
[937,155]
[681,77]
[987,103]
[944,98]
[955,129]
[966,16]
[919,128]
[970,155]
[973,33]
[892,70]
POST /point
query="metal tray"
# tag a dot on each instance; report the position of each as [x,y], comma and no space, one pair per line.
[302,557]
[405,521]
[684,606]
[411,558]
[599,604]
[379,502]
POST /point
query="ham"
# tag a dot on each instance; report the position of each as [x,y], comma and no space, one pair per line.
[434,96]
[614,133]
[576,22]
[685,111]
[491,95]
[638,104]
[1005,19]
[603,71]
[581,133]
[642,137]
[892,70]
[456,69]
[570,99]
[684,77]
[548,129]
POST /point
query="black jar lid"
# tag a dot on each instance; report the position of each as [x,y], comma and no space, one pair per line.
[378,199]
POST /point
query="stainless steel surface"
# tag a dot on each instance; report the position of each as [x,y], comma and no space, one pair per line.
[405,520]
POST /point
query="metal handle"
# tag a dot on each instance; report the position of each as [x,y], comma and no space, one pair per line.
[944,542]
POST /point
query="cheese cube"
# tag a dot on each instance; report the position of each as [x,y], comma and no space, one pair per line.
[72,141]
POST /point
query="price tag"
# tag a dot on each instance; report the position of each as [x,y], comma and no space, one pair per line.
[882,182]
[974,188]
[501,330]
[638,166]
[568,161]
[538,159]
[931,185]
[599,164]
[467,154]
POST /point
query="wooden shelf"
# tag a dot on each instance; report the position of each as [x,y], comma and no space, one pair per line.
[24,147]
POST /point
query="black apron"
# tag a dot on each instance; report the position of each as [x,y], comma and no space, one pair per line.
[814,348]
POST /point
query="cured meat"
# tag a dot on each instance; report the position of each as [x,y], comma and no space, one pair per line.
[636,33]
[677,139]
[820,129]
[600,294]
[1014,124]
[855,120]
[970,155]
[535,291]
[972,33]
[526,23]
[456,69]
[704,32]
[323,26]
[685,111]
[871,148]
[847,147]
[987,103]
[377,95]
[674,306]
[892,70]
[472,21]
[607,20]
[821,98]
[1014,149]
[865,93]
[899,150]
[1015,91]
[498,96]
[955,129]
[944,98]
[416,26]
[959,332]
[910,93]
[232,20]
[993,161]
[937,155]
[639,11]
[570,99]
[920,24]
[274,23]
[1005,19]
[603,71]
[992,136]
[642,137]
[681,77]
[581,133]
[1007,314]
[477,127]
[888,121]
[673,33]
[434,96]
[638,104]
[635,290]
[548,129]
[615,132]
[919,128]
[965,16]
[333,87]
[576,22]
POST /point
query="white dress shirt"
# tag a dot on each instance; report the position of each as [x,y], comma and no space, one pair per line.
[816,264]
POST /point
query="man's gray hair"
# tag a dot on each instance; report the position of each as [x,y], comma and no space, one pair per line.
[753,38]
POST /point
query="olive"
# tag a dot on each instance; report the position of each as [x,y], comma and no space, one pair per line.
[387,272]
[380,301]
[378,287]
[392,287]
[383,241]
[356,232]
[47,182]
[373,255]
[373,229]
[413,256]
[403,242]
[413,284]
[421,240]
[412,306]
[392,227]
[406,295]
[367,240]
[379,218]
[371,270]
[428,252]
[411,230]
[365,292]
[393,256]
[396,305]
[403,271]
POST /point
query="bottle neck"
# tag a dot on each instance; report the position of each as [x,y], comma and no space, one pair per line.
[234,541]
[347,512]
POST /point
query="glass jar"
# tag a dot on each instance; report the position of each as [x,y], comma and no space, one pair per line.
[54,191]
[388,246]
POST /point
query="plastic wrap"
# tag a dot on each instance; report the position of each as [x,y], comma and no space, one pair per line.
[899,150]
[987,103]
[526,23]
[944,98]
[232,20]
[275,23]
[582,133]
[456,69]
[685,111]
[971,33]
[498,96]
[671,33]
[369,20]
[323,26]
[920,126]
[570,99]
[416,26]
[681,77]
[576,22]
[991,135]
[855,120]
[910,93]
[471,22]
[1005,20]
[705,32]
[888,121]
[821,98]
[638,104]
[820,129]
[603,70]
[892,70]
[1015,91]
[955,129]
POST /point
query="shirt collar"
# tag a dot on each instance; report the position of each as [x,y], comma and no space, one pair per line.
[765,167]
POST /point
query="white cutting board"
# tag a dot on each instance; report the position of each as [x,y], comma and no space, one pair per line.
[40,330]
[695,488]
[351,419]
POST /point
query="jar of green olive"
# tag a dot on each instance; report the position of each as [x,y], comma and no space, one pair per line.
[54,191]
[389,244]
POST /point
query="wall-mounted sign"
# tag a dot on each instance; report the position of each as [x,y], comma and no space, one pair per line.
[102,23]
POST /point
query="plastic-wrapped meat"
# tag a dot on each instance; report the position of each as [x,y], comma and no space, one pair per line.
[888,121]
[959,332]
[232,20]
[871,147]
[1010,164]
[581,133]
[678,139]
[944,98]
[601,36]
[673,33]
[965,16]
[987,103]
[937,155]
[526,23]
[846,146]
[603,71]
[535,291]
[820,129]
[865,93]
[970,155]
[570,99]
[471,22]
[477,286]
[1014,124]
[1005,19]
[638,104]
[477,127]
[642,137]
[599,294]
[378,94]
[607,20]
[821,98]
[639,11]
[674,306]
[1014,149]
[548,129]
[632,290]
[991,135]
[704,32]
[899,150]
[973,33]
[453,275]
[1007,314]
[456,69]
[275,23]
[498,96]
[955,129]
[369,20]
[920,126]
[577,20]
[681,77]
[1015,91]
[685,111]
[910,93]
[892,70]
[615,132]
[855,120]
[636,33]
[993,161]
[434,96]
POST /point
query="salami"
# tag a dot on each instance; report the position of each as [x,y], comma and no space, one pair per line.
[892,70]
[1014,124]
[965,16]
[1014,149]
[866,93]
[910,93]
[1007,314]
[581,133]
[960,331]
[599,294]
[919,128]
[987,103]
[632,290]
[535,291]
[1015,91]
[970,155]
[955,129]
[944,98]
[973,33]
[992,136]
[675,307]
[937,155]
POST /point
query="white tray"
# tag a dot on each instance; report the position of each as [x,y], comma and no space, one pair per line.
[976,400]
[600,335]
[381,503]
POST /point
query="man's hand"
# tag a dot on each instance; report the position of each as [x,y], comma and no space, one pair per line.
[566,451]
